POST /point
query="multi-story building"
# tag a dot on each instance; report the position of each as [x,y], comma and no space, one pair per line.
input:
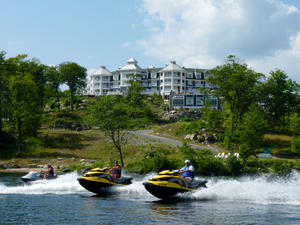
[183,86]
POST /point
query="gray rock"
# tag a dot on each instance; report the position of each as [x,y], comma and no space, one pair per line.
[66,170]
[3,166]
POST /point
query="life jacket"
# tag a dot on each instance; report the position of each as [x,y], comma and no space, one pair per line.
[188,174]
[116,172]
[51,171]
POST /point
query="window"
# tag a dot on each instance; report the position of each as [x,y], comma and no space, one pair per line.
[197,83]
[190,75]
[189,101]
[199,101]
[153,75]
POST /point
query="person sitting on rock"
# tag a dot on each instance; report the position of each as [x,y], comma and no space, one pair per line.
[50,171]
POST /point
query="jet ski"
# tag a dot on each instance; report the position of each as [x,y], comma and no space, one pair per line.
[168,183]
[98,180]
[34,176]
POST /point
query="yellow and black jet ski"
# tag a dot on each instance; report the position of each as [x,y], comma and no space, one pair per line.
[98,180]
[168,183]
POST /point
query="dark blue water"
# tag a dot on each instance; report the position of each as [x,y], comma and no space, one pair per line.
[226,201]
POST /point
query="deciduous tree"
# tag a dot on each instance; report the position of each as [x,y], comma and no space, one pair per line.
[110,114]
[280,97]
[26,109]
[74,76]
[237,87]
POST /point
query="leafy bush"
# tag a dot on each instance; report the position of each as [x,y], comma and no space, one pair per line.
[76,167]
[295,145]
[204,161]
[190,128]
[281,167]
[157,160]
[296,165]
[295,124]
[234,165]
[98,164]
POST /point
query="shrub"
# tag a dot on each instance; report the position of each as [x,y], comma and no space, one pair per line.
[98,164]
[234,165]
[190,128]
[295,145]
[281,167]
[203,161]
[157,160]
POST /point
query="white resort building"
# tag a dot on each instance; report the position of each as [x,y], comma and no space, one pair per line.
[178,84]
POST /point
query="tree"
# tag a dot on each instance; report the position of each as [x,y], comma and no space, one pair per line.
[2,87]
[74,76]
[53,80]
[110,114]
[295,124]
[280,97]
[251,131]
[237,87]
[26,109]
[134,96]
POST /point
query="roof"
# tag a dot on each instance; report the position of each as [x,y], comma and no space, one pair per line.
[131,65]
[102,71]
[172,66]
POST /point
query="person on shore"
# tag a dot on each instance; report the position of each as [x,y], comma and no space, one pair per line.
[188,172]
[50,171]
[116,171]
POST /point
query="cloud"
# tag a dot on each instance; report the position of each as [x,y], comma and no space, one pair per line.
[203,32]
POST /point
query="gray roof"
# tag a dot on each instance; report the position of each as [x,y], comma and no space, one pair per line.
[102,71]
[172,66]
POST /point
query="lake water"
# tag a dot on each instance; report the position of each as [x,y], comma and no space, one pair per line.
[247,200]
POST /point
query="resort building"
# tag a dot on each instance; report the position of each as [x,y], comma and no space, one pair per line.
[178,84]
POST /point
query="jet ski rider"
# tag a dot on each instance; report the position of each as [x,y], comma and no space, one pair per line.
[50,171]
[188,172]
[116,171]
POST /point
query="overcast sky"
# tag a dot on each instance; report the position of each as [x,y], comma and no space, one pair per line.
[196,33]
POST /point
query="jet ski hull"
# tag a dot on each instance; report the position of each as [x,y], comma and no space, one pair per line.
[167,184]
[99,185]
[93,186]
[163,192]
[34,176]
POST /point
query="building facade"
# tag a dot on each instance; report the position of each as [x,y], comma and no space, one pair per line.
[184,87]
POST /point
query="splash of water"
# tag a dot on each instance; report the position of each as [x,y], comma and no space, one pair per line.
[259,190]
[64,184]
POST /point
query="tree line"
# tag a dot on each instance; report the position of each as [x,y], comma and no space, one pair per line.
[27,86]
[254,104]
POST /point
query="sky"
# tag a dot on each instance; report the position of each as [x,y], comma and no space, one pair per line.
[265,34]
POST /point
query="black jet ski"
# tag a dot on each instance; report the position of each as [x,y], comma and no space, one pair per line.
[98,180]
[168,183]
[34,176]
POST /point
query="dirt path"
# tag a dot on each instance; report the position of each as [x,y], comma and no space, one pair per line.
[152,137]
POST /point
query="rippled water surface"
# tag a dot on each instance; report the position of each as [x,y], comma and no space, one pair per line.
[260,200]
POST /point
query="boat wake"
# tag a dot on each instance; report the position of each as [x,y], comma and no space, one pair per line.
[258,190]
[64,184]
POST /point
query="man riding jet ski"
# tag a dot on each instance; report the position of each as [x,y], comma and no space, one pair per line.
[168,183]
[98,180]
[34,176]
